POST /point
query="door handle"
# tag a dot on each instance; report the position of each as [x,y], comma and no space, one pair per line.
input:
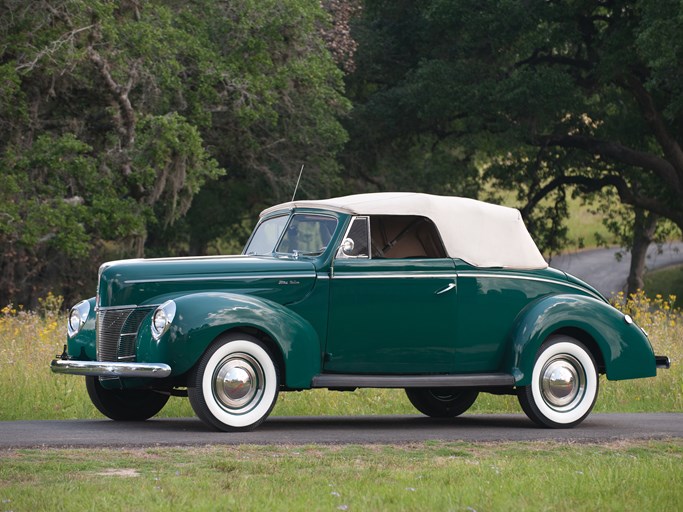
[447,289]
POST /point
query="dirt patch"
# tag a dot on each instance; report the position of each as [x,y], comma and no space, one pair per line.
[124,473]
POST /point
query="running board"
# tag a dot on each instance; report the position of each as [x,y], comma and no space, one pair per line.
[340,380]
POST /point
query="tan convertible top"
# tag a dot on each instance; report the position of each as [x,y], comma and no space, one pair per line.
[482,234]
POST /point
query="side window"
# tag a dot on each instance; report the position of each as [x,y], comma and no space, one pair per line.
[356,242]
[405,236]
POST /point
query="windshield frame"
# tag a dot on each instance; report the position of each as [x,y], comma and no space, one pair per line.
[259,224]
[291,214]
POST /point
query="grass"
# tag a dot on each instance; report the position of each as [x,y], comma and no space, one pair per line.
[585,228]
[29,340]
[665,282]
[643,475]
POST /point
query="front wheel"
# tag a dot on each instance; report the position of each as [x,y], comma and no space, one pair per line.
[564,384]
[235,384]
[125,404]
[441,402]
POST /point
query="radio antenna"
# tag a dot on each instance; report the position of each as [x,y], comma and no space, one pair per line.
[297,181]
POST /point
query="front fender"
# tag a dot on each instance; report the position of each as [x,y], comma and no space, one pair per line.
[625,349]
[201,317]
[82,346]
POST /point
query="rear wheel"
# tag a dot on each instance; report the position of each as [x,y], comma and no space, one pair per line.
[235,384]
[564,384]
[441,402]
[124,404]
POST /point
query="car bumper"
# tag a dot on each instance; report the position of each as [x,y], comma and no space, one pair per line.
[663,362]
[106,369]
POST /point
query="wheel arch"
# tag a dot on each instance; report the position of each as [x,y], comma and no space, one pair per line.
[201,318]
[620,348]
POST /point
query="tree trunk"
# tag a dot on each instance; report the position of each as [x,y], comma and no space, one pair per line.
[643,233]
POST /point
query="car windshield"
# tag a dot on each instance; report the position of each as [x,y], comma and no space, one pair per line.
[306,234]
[266,235]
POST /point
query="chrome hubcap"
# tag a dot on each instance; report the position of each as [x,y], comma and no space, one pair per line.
[238,382]
[563,382]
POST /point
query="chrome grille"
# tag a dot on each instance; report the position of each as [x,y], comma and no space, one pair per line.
[117,330]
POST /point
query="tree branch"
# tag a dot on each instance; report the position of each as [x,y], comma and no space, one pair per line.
[56,45]
[626,195]
[619,153]
[120,94]
[538,58]
[671,148]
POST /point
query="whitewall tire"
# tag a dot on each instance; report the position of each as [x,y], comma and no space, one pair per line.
[564,384]
[235,384]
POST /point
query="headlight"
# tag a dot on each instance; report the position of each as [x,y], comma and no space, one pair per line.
[162,318]
[77,317]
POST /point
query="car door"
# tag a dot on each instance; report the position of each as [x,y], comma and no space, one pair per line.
[389,314]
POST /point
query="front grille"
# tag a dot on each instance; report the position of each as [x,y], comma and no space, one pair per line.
[117,330]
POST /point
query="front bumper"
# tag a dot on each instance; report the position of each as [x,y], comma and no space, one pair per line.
[106,369]
[663,362]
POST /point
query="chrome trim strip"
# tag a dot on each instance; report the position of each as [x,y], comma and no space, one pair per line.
[392,275]
[110,369]
[447,289]
[128,306]
[239,277]
[531,278]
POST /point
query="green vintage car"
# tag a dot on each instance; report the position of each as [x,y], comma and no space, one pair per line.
[443,296]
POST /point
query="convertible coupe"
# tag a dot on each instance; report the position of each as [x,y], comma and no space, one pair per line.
[444,297]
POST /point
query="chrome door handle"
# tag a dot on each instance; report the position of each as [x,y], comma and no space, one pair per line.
[447,289]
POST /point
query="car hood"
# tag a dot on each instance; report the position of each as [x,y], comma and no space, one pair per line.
[152,281]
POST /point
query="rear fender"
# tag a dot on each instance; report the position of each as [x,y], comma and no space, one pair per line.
[200,318]
[625,350]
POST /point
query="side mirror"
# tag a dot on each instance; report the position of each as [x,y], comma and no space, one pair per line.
[347,247]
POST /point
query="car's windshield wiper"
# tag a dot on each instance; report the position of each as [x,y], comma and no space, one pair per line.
[295,254]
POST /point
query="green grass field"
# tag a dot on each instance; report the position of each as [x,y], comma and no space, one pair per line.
[428,476]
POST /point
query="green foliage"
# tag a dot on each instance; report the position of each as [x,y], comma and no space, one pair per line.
[115,115]
[281,99]
[39,205]
[544,98]
[171,162]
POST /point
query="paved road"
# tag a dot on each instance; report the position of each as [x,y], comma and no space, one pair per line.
[335,430]
[600,268]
